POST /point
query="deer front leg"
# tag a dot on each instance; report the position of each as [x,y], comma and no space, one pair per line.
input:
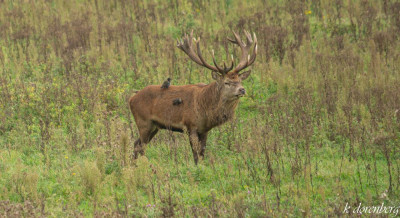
[146,132]
[195,144]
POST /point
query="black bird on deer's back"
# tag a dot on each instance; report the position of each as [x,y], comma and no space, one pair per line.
[177,101]
[166,84]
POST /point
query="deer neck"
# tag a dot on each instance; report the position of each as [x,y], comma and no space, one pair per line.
[214,108]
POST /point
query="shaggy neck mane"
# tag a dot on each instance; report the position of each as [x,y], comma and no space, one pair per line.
[216,110]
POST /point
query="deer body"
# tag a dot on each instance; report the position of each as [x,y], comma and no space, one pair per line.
[203,106]
[202,109]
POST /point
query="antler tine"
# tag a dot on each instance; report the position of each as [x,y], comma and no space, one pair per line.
[204,63]
[237,39]
[231,40]
[248,38]
[187,40]
[222,71]
[190,38]
[246,59]
[254,54]
[231,67]
[185,45]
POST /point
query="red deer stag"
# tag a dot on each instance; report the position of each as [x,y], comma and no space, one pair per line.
[202,107]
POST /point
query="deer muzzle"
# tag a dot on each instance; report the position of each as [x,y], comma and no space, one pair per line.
[242,92]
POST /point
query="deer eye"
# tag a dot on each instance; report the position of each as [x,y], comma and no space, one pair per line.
[228,84]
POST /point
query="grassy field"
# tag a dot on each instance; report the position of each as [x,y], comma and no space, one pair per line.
[318,129]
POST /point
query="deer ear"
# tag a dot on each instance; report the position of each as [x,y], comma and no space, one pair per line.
[244,75]
[216,75]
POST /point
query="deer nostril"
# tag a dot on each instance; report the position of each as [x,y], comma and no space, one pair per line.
[242,91]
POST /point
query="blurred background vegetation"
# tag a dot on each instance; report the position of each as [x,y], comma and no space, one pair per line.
[319,127]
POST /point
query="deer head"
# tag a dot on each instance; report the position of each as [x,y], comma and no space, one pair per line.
[229,79]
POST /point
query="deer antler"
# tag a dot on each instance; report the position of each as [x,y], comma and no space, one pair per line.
[185,44]
[245,60]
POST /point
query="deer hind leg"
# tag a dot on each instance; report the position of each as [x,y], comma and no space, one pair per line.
[203,142]
[146,132]
[195,144]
